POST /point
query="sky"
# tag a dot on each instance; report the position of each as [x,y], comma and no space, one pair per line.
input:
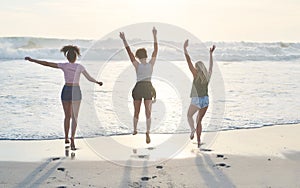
[209,20]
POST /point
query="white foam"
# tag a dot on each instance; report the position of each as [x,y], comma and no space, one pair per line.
[18,47]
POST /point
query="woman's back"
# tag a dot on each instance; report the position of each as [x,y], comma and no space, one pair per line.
[144,72]
[71,71]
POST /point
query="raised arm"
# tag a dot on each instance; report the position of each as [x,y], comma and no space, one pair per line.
[90,78]
[130,54]
[211,50]
[154,54]
[188,59]
[45,63]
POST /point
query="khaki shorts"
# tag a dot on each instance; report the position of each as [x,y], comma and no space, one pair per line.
[143,89]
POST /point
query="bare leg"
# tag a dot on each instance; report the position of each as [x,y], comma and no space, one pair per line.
[200,116]
[75,111]
[192,110]
[148,108]
[67,105]
[137,107]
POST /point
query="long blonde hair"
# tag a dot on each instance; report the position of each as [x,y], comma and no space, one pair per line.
[202,72]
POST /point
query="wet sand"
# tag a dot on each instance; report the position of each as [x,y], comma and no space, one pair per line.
[263,157]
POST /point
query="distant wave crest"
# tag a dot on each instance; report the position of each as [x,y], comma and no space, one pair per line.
[45,48]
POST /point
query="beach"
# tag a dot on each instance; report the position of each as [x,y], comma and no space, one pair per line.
[262,157]
[250,131]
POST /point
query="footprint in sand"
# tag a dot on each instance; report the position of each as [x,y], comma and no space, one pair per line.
[151,148]
[145,178]
[221,156]
[159,167]
[55,158]
[148,178]
[140,156]
[61,169]
[135,184]
[206,150]
[221,165]
[143,156]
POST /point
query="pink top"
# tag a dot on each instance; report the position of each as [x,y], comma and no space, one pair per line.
[71,71]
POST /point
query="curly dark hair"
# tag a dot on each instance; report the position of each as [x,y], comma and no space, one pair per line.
[71,52]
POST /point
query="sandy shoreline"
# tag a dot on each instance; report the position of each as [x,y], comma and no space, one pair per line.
[263,157]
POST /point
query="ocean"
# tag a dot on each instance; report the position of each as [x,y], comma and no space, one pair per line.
[253,85]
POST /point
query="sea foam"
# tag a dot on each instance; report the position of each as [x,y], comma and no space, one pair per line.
[18,47]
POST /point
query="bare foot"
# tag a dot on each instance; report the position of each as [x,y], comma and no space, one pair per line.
[192,134]
[148,140]
[67,141]
[134,132]
[199,143]
[72,144]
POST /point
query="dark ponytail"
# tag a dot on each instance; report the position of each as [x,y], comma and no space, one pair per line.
[71,52]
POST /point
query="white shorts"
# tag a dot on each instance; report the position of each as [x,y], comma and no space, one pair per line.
[200,102]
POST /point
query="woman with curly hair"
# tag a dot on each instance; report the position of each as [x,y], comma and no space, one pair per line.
[71,93]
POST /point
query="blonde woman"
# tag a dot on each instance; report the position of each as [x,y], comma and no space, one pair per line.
[199,93]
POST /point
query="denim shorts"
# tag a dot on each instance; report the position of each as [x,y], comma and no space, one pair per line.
[71,93]
[200,102]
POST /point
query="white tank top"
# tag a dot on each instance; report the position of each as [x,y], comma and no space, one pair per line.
[144,72]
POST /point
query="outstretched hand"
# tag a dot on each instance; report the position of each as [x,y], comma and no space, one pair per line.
[154,31]
[186,43]
[27,58]
[100,83]
[122,35]
[212,49]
